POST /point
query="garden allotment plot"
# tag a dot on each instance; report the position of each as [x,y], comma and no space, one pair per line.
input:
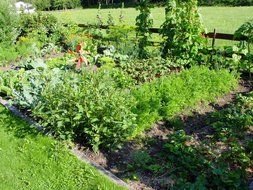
[176,117]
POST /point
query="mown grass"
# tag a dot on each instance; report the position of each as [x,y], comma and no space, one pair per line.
[31,161]
[224,19]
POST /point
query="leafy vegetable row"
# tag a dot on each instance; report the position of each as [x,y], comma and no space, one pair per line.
[105,108]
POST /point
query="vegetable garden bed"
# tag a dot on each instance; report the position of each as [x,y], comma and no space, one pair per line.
[130,101]
[141,162]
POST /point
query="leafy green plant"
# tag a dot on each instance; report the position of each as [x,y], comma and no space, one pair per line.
[97,113]
[238,118]
[122,37]
[104,108]
[8,54]
[110,20]
[221,158]
[145,70]
[143,23]
[8,22]
[141,159]
[42,5]
[246,30]
[99,16]
[182,31]
[121,15]
[43,27]
[167,96]
[24,87]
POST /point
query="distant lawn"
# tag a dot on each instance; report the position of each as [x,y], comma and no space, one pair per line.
[29,161]
[224,19]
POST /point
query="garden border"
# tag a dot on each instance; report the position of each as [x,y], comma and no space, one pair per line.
[82,157]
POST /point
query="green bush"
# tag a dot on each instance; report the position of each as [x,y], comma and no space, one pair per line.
[143,23]
[226,2]
[42,5]
[44,27]
[87,106]
[246,61]
[65,4]
[197,165]
[7,54]
[8,22]
[37,21]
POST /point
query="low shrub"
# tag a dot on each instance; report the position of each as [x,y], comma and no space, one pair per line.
[145,70]
[246,30]
[28,22]
[44,27]
[42,5]
[196,165]
[8,22]
[7,54]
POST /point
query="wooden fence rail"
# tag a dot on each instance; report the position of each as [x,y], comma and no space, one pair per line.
[211,35]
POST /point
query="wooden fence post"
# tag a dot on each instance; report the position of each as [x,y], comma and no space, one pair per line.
[213,43]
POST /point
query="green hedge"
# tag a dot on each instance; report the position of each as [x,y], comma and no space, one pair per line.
[226,2]
[43,5]
[70,4]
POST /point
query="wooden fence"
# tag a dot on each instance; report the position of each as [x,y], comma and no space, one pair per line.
[212,35]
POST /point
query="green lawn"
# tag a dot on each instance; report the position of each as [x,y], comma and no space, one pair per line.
[224,19]
[30,161]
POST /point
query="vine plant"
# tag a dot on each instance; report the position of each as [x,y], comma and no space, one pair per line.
[99,16]
[110,20]
[182,31]
[143,23]
[246,30]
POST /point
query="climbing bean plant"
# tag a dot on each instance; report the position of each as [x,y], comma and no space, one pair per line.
[143,23]
[182,31]
[246,30]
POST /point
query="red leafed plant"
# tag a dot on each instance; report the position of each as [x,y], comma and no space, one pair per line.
[80,60]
